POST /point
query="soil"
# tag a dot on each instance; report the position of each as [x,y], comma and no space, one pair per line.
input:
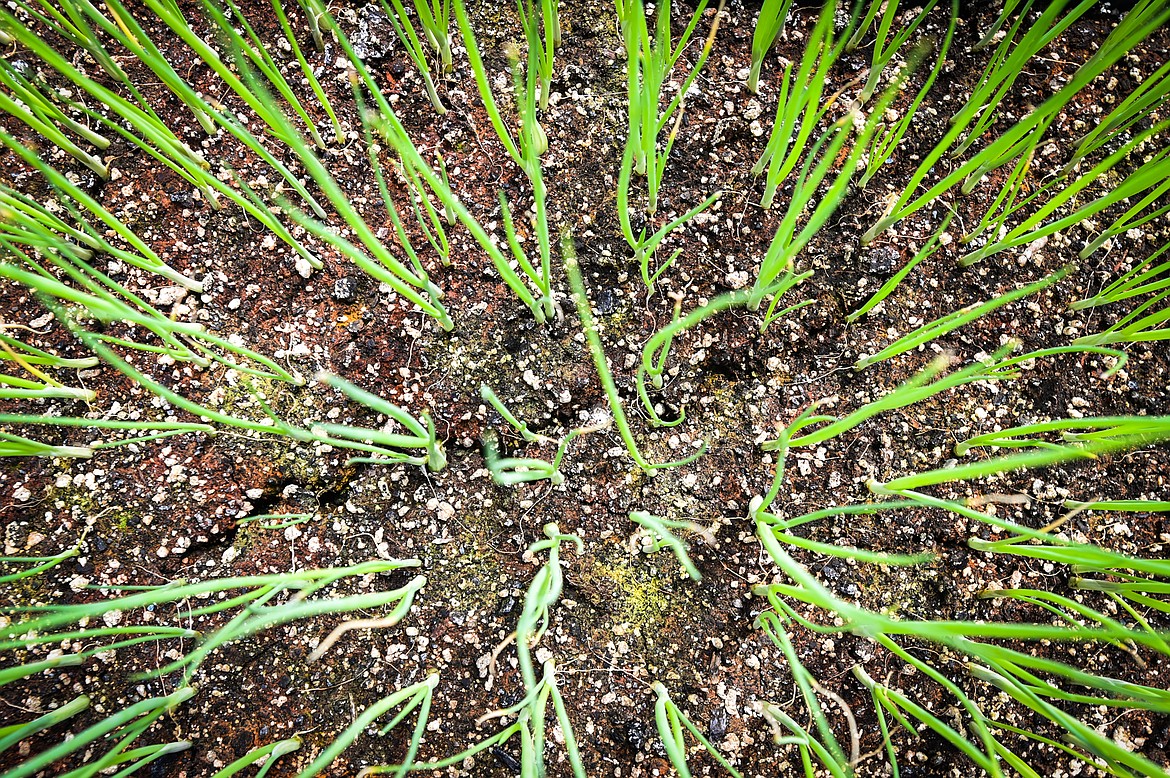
[178,508]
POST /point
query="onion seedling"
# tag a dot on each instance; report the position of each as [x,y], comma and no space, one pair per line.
[122,727]
[533,143]
[435,18]
[84,16]
[12,674]
[1136,217]
[1094,744]
[542,594]
[284,520]
[1009,199]
[256,52]
[529,725]
[171,151]
[145,257]
[1010,7]
[597,352]
[39,565]
[1070,611]
[1147,184]
[40,387]
[929,248]
[479,71]
[648,65]
[1114,438]
[658,533]
[427,217]
[73,27]
[1023,436]
[104,300]
[533,18]
[431,224]
[670,720]
[30,90]
[1145,277]
[497,739]
[488,396]
[47,130]
[807,744]
[657,348]
[384,446]
[306,69]
[799,95]
[135,112]
[903,709]
[644,247]
[787,242]
[510,471]
[17,446]
[952,321]
[836,550]
[1008,62]
[998,366]
[969,638]
[1141,21]
[387,125]
[411,283]
[886,47]
[773,14]
[1129,506]
[147,132]
[14,445]
[126,30]
[759,505]
[21,215]
[897,704]
[269,753]
[51,624]
[888,138]
[402,145]
[129,33]
[434,22]
[1135,327]
[778,527]
[421,435]
[824,744]
[416,697]
[264,109]
[1150,95]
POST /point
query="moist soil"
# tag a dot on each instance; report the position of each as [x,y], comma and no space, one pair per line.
[179,508]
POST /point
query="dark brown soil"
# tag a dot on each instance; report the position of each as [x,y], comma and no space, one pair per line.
[172,509]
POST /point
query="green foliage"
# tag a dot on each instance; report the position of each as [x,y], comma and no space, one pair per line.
[952,321]
[670,720]
[434,17]
[597,352]
[799,109]
[773,14]
[261,602]
[819,153]
[649,63]
[659,534]
[974,118]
